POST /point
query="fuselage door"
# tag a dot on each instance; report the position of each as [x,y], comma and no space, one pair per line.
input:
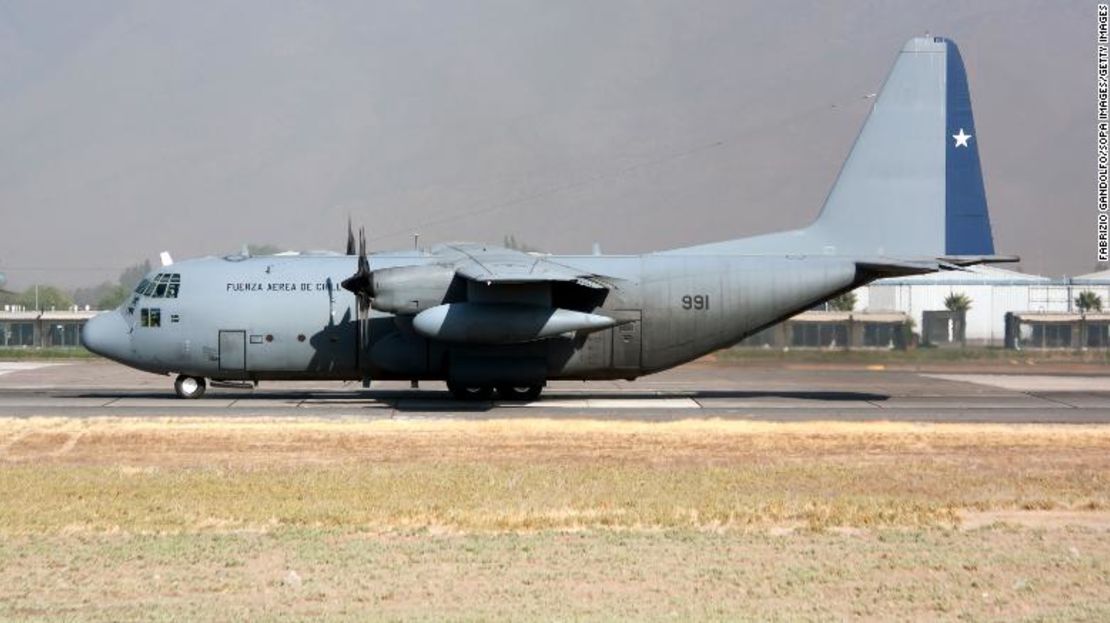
[626,339]
[233,350]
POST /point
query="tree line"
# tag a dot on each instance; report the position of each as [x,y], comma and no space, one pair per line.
[106,295]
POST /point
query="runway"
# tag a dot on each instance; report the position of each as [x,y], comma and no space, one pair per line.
[698,390]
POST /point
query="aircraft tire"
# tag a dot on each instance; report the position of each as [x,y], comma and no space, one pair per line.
[189,387]
[525,393]
[475,392]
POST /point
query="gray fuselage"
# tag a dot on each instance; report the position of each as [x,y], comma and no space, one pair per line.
[287,318]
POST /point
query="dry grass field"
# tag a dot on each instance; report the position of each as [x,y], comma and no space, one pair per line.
[241,518]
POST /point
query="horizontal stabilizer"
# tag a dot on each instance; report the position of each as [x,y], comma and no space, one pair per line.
[972,260]
[881,268]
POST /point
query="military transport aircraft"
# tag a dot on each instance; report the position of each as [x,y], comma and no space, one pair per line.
[908,200]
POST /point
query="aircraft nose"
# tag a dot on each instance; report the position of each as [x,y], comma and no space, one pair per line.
[106,335]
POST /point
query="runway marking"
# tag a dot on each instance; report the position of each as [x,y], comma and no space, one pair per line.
[7,367]
[1031,382]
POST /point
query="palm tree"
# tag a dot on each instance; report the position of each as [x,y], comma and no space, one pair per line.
[1088,301]
[957,302]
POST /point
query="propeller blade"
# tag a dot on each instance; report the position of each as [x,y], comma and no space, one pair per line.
[362,282]
[350,238]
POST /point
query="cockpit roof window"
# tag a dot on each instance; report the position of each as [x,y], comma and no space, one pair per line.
[174,286]
[162,285]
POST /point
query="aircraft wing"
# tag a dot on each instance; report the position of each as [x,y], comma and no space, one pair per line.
[510,298]
[498,265]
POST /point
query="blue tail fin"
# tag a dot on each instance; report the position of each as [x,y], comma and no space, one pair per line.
[967,223]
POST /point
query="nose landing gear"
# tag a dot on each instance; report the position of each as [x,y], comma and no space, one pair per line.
[189,386]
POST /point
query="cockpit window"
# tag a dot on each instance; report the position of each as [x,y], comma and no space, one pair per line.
[162,285]
[150,317]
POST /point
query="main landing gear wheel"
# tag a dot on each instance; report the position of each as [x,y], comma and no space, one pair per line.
[525,393]
[474,392]
[189,386]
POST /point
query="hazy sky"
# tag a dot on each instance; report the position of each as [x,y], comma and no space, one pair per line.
[133,127]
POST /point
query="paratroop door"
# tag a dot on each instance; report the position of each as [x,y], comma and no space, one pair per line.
[626,340]
[233,350]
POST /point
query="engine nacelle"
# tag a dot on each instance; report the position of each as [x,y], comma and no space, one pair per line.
[503,323]
[410,289]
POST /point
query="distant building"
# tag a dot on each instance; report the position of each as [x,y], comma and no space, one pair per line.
[42,329]
[1041,313]
[994,293]
[833,330]
[1067,331]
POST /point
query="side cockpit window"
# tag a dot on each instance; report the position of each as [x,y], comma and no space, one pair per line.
[150,317]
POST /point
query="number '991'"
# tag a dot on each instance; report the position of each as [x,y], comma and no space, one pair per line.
[695,301]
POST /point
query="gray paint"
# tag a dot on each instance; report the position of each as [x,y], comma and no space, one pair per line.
[893,179]
[744,293]
[503,323]
[885,216]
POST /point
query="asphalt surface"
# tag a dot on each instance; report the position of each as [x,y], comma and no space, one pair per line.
[699,390]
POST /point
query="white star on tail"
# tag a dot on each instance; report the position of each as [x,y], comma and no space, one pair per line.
[961,138]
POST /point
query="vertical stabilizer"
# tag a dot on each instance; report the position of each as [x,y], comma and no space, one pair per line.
[911,186]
